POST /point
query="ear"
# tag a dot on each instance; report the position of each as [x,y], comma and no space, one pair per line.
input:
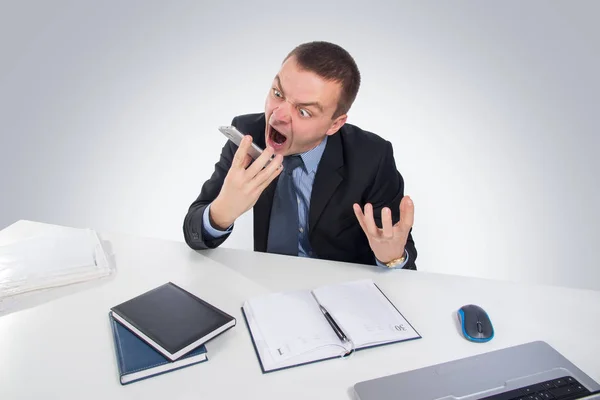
[337,124]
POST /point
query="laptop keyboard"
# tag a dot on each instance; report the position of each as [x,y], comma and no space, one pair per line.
[565,388]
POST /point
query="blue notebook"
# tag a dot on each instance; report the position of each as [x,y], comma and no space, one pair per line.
[137,360]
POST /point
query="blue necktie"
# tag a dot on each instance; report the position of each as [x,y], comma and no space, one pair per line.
[283,226]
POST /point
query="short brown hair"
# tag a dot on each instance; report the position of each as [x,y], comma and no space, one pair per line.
[330,62]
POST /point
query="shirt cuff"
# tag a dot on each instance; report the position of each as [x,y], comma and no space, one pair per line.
[208,230]
[399,266]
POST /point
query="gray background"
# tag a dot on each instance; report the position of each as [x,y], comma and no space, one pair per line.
[109,110]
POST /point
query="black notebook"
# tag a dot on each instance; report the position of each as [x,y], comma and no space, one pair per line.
[172,320]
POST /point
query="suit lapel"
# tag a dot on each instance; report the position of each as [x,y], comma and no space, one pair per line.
[327,179]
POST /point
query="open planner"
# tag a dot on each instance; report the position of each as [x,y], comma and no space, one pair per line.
[295,328]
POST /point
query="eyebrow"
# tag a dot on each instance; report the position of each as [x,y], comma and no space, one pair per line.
[309,104]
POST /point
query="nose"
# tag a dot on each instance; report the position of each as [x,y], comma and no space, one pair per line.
[282,113]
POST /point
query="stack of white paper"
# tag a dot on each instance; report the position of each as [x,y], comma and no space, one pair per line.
[51,259]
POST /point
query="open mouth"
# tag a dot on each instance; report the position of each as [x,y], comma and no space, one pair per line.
[276,137]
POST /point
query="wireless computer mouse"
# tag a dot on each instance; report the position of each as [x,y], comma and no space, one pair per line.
[475,323]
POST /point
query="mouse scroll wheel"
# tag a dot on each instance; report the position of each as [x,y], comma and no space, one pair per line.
[479,329]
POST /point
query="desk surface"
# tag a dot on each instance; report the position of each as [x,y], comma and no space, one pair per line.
[63,348]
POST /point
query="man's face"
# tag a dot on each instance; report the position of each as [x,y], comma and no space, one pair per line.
[299,110]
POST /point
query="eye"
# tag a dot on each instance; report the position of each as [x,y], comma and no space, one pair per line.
[277,93]
[304,113]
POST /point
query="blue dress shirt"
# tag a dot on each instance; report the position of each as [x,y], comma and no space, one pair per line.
[303,179]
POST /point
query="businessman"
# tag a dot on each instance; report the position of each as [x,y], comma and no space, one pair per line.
[322,188]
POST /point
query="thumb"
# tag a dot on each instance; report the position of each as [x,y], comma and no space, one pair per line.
[407,213]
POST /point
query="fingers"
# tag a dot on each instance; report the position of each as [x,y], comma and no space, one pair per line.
[260,162]
[247,161]
[407,213]
[270,179]
[371,228]
[367,222]
[271,171]
[360,217]
[386,222]
[240,155]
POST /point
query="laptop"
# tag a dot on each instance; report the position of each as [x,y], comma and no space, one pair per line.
[530,371]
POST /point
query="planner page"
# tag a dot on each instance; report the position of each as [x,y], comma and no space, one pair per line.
[364,314]
[290,329]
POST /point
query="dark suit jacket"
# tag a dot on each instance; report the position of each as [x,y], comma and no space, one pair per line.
[357,166]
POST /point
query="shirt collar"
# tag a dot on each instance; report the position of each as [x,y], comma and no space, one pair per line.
[312,157]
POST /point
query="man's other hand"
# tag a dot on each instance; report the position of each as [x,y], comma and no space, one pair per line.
[387,243]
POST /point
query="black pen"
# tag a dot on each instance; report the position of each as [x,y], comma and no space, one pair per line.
[335,326]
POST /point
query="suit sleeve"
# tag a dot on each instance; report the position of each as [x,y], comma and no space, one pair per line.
[388,190]
[194,231]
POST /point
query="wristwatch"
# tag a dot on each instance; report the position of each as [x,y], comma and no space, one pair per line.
[396,261]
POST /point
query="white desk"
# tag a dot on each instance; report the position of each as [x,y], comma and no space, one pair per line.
[63,348]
